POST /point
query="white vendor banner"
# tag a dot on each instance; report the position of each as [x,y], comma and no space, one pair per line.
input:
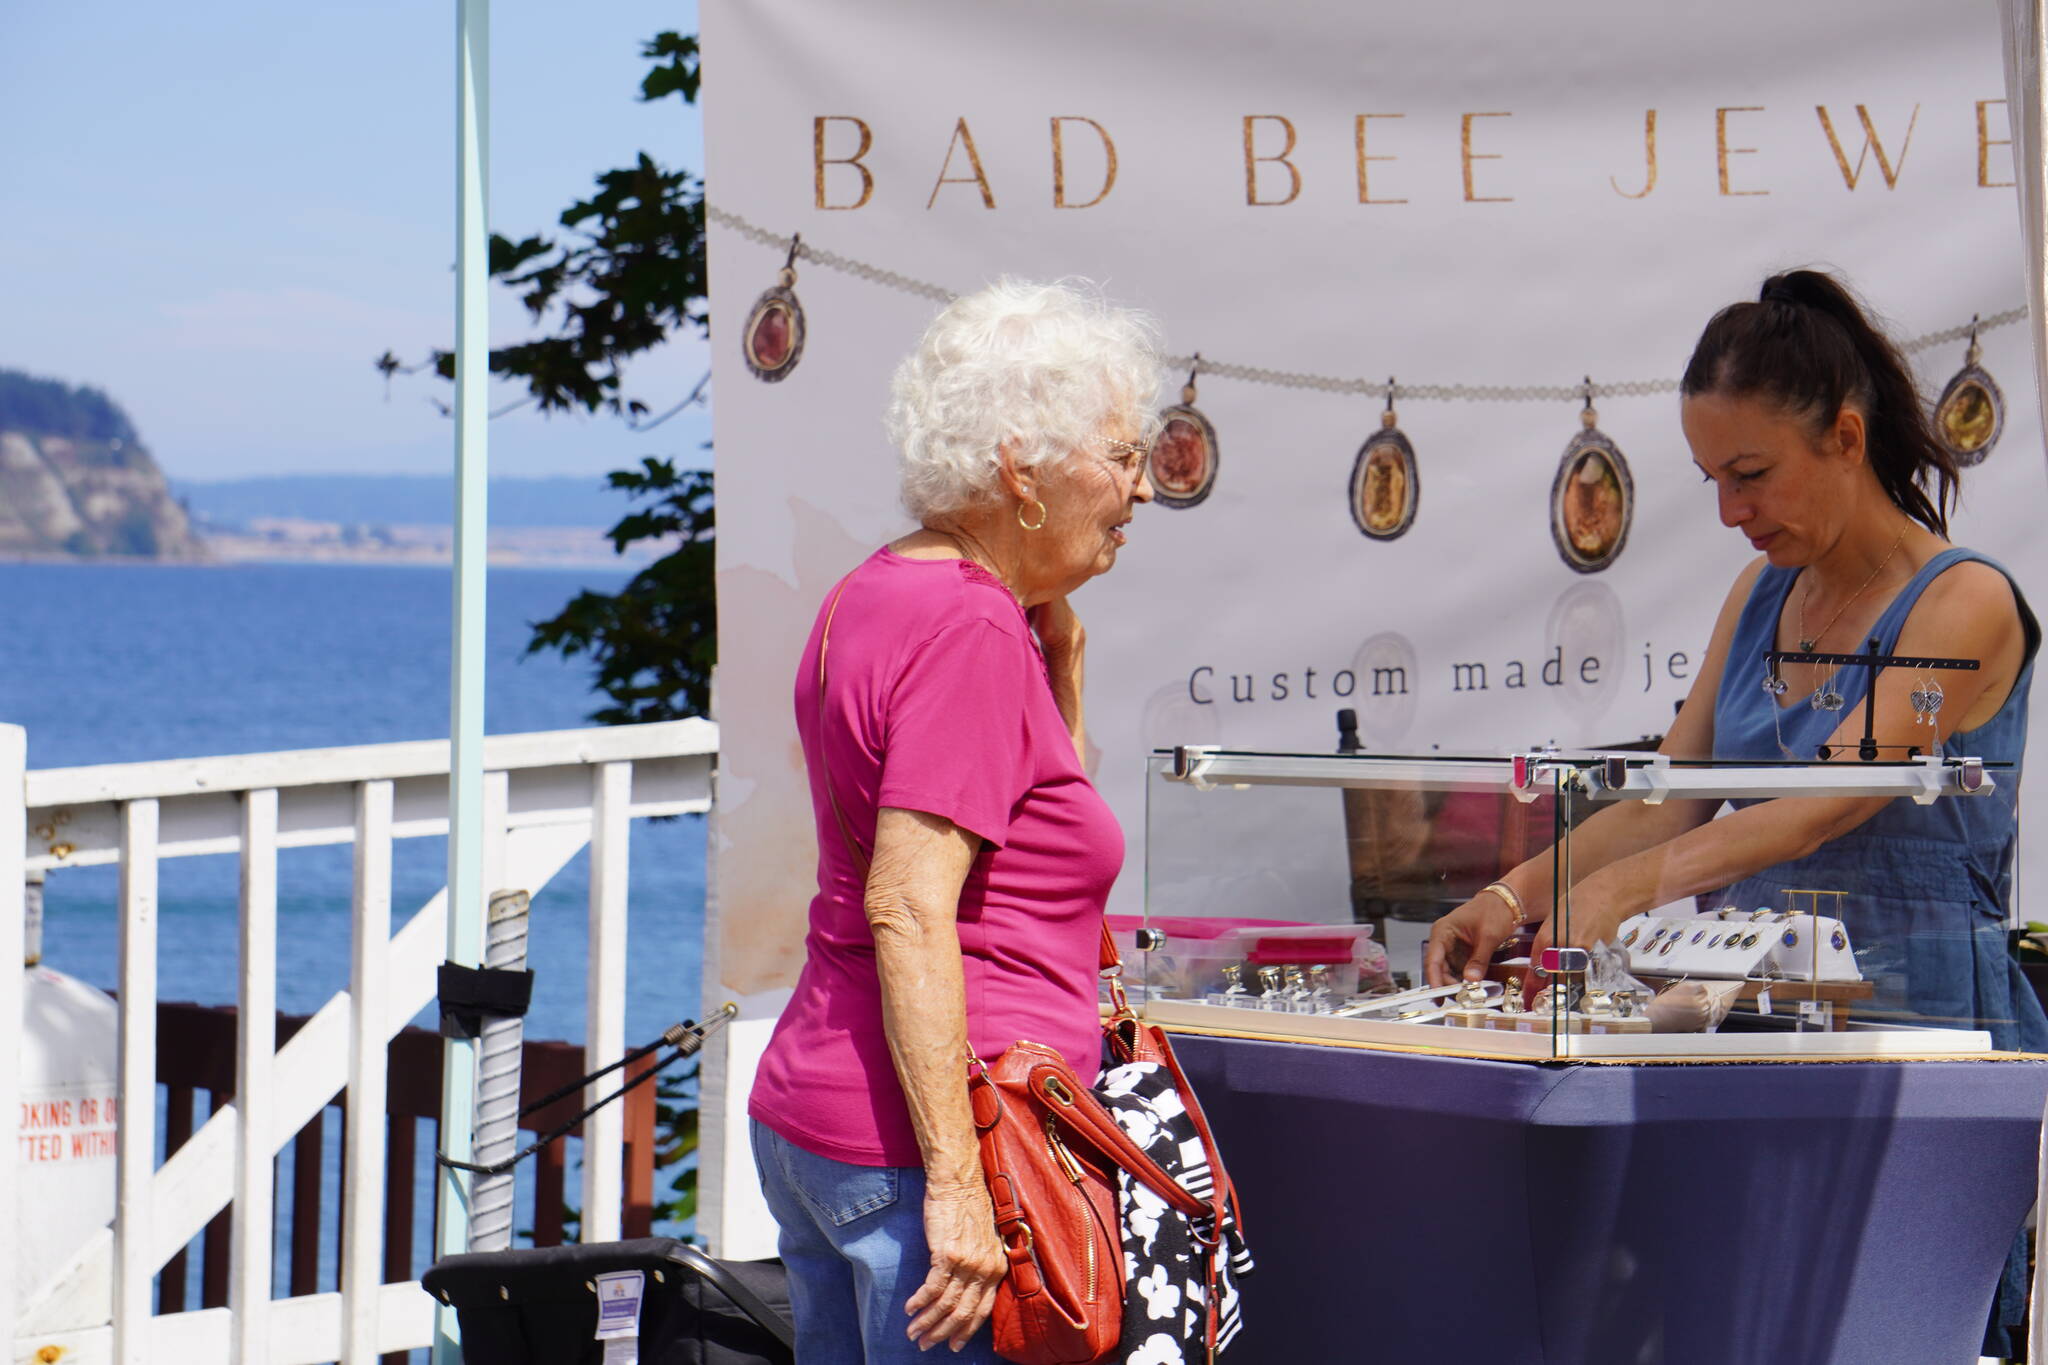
[1441,267]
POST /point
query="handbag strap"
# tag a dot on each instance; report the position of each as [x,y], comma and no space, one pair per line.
[853,848]
[1222,1198]
[1222,1189]
[1087,1120]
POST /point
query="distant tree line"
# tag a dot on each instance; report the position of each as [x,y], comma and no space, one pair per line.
[50,407]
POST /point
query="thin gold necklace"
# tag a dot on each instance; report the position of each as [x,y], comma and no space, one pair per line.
[1807,642]
[960,544]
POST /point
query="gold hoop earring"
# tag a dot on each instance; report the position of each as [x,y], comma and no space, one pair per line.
[1038,525]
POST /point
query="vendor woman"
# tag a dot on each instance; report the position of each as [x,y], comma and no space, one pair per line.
[1805,419]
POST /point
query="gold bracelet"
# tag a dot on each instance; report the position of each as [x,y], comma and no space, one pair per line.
[1514,902]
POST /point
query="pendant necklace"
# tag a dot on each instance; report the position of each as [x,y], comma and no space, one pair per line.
[973,560]
[1807,642]
[1827,697]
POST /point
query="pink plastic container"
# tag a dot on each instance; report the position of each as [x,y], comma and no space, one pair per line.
[1189,966]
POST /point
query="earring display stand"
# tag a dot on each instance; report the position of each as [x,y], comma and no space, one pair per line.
[1876,662]
[1732,945]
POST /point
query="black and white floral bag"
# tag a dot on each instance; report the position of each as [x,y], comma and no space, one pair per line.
[1166,1300]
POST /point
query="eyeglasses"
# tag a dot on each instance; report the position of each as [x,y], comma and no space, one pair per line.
[1131,457]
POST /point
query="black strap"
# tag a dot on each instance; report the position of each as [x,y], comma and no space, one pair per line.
[685,1038]
[500,1167]
[471,995]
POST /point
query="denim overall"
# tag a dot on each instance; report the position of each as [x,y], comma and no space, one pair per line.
[1929,887]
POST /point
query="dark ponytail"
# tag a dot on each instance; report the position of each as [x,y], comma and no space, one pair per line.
[1807,347]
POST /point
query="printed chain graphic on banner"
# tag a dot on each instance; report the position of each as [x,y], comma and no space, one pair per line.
[1592,499]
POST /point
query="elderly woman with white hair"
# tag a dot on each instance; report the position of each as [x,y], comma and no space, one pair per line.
[963,855]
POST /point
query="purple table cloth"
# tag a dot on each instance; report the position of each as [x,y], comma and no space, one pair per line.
[1408,1209]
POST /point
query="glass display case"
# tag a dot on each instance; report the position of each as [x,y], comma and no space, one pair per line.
[1294,895]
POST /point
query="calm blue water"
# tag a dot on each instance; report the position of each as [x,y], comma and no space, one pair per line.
[117,664]
[123,663]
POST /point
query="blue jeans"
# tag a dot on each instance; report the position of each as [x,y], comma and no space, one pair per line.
[853,1240]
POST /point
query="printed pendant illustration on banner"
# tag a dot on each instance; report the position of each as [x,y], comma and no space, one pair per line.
[1184,458]
[773,339]
[1593,497]
[1385,485]
[1971,412]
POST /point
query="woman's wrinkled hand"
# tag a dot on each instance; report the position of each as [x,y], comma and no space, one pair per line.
[967,1265]
[1059,630]
[1462,943]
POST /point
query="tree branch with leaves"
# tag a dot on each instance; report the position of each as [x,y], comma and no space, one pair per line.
[623,273]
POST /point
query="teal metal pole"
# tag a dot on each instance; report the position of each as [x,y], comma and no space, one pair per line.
[466,702]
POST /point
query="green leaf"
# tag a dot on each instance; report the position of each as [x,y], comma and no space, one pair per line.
[677,71]
[654,642]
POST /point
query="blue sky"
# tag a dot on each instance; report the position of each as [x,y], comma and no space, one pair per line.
[221,212]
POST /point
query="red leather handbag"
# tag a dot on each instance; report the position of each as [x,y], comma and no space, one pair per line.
[1051,1150]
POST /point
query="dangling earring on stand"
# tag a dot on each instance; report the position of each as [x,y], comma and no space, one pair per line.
[1971,411]
[1184,458]
[1774,687]
[1385,485]
[1927,700]
[1825,697]
[773,339]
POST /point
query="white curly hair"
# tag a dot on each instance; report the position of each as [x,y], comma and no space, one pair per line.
[1044,365]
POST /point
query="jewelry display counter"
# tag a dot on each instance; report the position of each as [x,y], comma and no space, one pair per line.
[1266,874]
[1813,1156]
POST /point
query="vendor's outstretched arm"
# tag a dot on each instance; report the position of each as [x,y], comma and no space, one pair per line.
[1464,940]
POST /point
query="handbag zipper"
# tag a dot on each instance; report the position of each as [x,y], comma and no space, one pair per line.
[1065,1159]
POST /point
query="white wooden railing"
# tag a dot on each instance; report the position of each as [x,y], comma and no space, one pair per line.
[546,796]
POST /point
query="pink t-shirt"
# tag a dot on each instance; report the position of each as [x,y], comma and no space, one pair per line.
[936,700]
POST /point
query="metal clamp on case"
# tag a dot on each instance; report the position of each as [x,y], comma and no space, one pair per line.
[1189,763]
[470,995]
[1566,961]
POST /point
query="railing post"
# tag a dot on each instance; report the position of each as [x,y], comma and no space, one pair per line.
[605,996]
[362,1203]
[255,1052]
[13,906]
[135,1141]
